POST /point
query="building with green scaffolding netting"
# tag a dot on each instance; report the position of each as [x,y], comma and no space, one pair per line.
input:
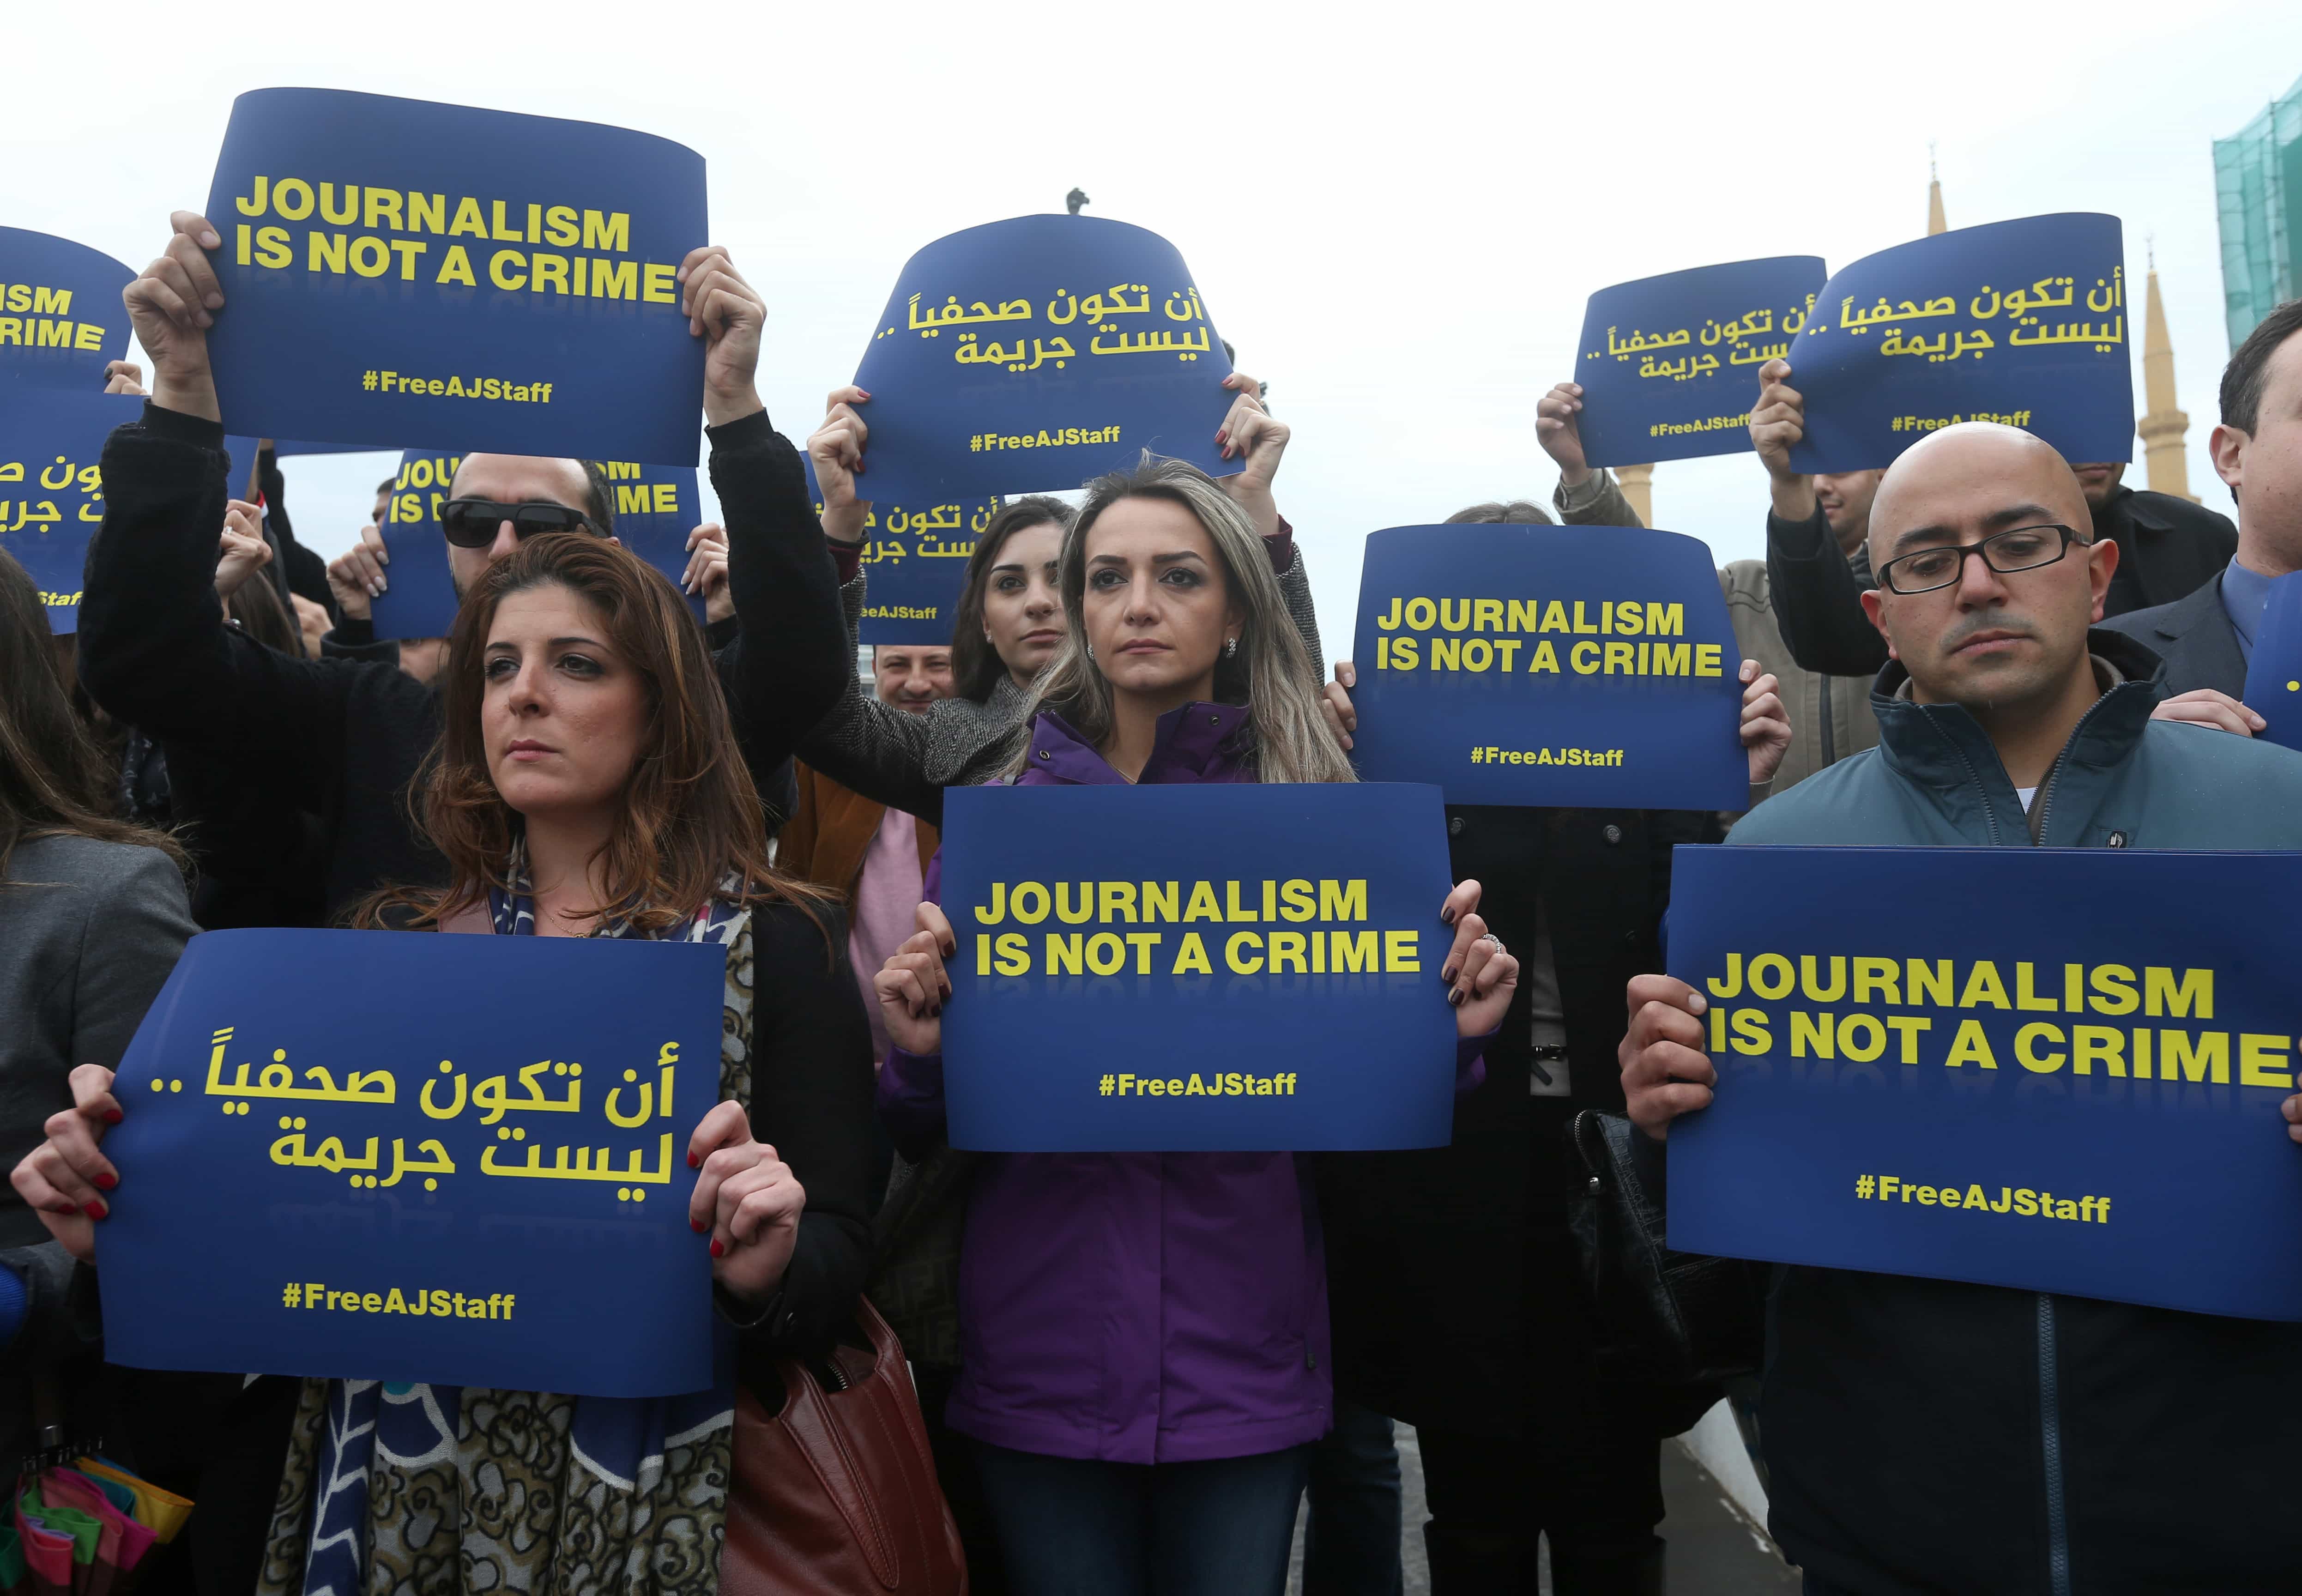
[2258,197]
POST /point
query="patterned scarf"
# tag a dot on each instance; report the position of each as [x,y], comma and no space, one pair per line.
[406,1489]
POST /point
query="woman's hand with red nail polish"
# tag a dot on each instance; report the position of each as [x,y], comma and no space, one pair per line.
[59,1180]
[749,1201]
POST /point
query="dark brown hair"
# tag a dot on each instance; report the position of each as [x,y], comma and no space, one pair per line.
[2248,371]
[690,815]
[54,780]
[258,607]
[976,666]
[1517,512]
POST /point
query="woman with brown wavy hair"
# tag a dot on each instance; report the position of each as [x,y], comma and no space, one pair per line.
[586,783]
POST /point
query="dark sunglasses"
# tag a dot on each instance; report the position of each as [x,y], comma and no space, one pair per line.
[474,523]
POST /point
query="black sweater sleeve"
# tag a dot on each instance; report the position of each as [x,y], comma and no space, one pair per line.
[154,648]
[789,661]
[1818,602]
[811,1101]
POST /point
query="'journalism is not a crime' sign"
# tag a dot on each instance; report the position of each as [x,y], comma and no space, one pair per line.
[2052,1069]
[1585,667]
[396,271]
[1266,977]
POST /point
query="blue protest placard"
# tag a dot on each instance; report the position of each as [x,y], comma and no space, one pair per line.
[488,1186]
[1266,978]
[1556,666]
[1670,364]
[420,598]
[654,508]
[395,268]
[2077,1090]
[914,564]
[61,319]
[1035,353]
[2022,323]
[52,485]
[2274,671]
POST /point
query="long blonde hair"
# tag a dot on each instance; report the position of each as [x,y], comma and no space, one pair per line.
[1270,674]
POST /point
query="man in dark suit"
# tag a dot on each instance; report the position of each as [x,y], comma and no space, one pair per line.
[2206,638]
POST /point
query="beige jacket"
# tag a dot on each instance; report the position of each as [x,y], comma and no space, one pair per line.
[1830,715]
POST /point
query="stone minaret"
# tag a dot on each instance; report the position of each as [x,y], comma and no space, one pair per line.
[1637,483]
[1935,222]
[2164,427]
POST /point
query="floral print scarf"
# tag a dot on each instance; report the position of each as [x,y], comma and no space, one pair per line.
[405,1490]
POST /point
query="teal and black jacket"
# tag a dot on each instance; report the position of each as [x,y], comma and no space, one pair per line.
[1928,1436]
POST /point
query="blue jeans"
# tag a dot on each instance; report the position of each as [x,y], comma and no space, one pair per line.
[1351,1546]
[1070,1527]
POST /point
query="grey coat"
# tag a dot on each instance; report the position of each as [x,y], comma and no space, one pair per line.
[88,932]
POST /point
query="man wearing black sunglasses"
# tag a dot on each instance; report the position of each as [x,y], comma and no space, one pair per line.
[1927,1435]
[343,737]
[494,501]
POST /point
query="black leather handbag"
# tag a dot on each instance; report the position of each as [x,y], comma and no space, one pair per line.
[1669,1318]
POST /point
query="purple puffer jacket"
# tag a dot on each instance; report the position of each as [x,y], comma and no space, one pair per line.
[1134,1307]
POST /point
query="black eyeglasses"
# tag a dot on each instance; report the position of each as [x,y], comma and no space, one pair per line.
[474,523]
[2017,548]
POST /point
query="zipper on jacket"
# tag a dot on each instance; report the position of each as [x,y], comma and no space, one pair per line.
[2055,771]
[2046,792]
[2050,1383]
[2050,1416]
[1829,737]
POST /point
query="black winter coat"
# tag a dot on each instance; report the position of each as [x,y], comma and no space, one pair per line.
[1454,1301]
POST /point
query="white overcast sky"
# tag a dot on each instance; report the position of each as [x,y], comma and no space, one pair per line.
[1395,214]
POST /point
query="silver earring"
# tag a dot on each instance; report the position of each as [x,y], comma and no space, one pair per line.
[1230,647]
[1090,651]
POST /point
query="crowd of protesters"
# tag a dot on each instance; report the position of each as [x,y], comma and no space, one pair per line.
[1137,1371]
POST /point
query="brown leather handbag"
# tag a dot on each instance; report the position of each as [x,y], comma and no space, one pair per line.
[836,1494]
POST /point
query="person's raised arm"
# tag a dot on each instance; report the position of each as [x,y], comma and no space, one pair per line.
[1253,435]
[788,661]
[154,648]
[1587,495]
[1818,602]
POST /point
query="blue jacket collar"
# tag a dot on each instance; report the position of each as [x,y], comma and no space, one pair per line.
[1943,748]
[1200,741]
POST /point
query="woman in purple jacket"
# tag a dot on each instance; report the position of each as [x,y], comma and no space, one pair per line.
[1144,1336]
